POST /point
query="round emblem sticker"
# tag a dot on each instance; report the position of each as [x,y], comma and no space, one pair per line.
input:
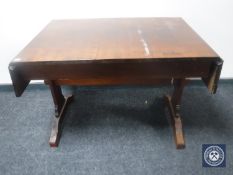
[214,155]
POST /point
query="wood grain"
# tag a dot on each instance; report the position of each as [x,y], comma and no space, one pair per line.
[115,39]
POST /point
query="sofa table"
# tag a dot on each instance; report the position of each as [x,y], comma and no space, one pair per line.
[120,51]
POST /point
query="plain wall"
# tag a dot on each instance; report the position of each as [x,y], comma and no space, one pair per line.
[21,20]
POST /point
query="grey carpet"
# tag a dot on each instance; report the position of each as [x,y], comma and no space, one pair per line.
[113,130]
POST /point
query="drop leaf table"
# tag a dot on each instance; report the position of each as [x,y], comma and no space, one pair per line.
[120,51]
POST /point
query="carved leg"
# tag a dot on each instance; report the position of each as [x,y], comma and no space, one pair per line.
[60,103]
[173,104]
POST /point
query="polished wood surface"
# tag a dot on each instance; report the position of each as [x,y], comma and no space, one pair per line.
[129,51]
[115,39]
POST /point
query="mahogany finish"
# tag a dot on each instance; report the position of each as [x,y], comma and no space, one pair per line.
[132,51]
[173,104]
[127,38]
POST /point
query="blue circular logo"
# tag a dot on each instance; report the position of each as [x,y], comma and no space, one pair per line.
[214,155]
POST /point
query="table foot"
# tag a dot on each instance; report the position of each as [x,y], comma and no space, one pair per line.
[176,124]
[174,104]
[57,123]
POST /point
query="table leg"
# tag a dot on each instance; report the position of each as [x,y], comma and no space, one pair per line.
[60,103]
[173,103]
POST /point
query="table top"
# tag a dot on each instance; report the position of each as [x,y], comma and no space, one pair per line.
[115,39]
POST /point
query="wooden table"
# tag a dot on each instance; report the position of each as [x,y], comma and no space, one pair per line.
[132,51]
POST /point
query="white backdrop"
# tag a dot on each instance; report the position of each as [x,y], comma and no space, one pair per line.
[21,20]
